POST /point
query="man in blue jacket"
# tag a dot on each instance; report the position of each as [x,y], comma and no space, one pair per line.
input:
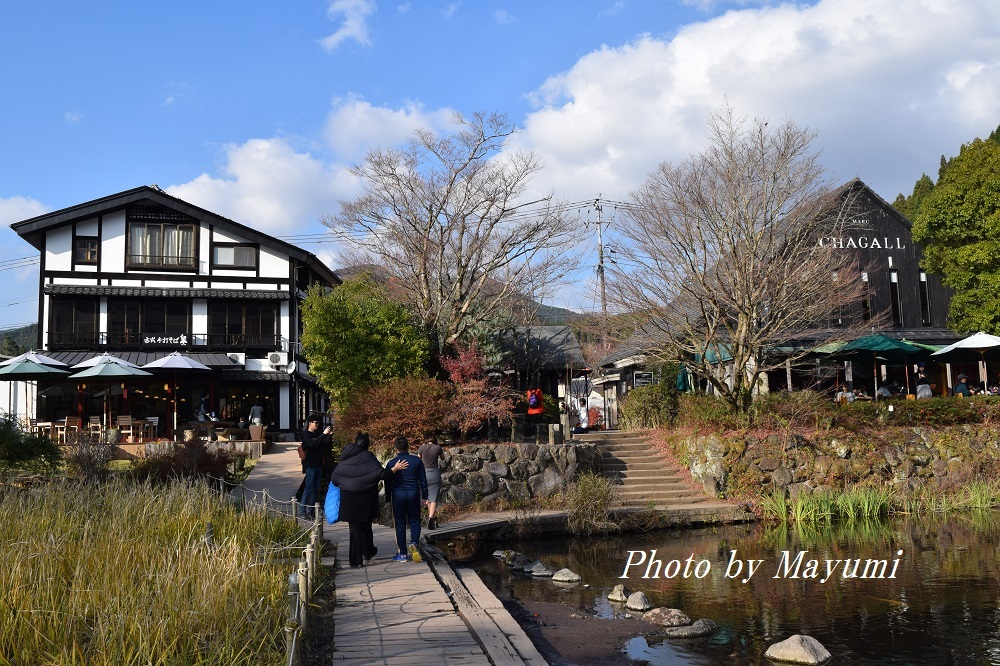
[406,490]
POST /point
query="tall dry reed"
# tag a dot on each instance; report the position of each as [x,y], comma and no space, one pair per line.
[120,574]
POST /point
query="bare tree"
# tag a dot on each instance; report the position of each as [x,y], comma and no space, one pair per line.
[723,263]
[443,217]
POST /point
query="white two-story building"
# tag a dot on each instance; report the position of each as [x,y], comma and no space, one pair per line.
[141,274]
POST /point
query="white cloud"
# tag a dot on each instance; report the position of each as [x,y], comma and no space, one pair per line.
[889,87]
[503,17]
[271,187]
[168,101]
[452,9]
[403,8]
[16,209]
[355,125]
[72,117]
[354,14]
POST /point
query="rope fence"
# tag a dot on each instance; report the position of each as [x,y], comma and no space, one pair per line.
[303,579]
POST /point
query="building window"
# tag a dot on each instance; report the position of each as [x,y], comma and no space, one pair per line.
[234,256]
[131,322]
[73,322]
[866,301]
[85,251]
[164,246]
[925,301]
[897,310]
[243,325]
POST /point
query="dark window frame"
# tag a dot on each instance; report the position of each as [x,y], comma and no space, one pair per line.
[156,259]
[236,266]
[238,324]
[93,245]
[79,332]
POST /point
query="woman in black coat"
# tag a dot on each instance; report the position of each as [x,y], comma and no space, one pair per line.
[357,475]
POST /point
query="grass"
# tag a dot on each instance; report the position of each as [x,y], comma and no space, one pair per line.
[114,573]
[590,500]
[872,502]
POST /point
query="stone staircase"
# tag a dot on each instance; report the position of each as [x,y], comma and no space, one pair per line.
[646,478]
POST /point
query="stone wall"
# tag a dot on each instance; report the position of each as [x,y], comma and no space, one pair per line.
[911,458]
[491,472]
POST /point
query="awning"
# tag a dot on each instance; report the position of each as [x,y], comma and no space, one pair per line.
[162,292]
[254,376]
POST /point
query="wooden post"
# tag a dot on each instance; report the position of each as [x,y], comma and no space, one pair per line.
[303,596]
[293,600]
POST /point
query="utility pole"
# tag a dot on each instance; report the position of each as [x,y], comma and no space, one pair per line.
[600,274]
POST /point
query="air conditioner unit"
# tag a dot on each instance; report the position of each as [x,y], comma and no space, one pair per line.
[278,359]
[238,358]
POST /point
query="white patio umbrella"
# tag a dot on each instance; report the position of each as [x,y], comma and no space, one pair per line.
[35,357]
[973,348]
[177,363]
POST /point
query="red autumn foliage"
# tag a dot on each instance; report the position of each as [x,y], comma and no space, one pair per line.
[477,397]
[409,406]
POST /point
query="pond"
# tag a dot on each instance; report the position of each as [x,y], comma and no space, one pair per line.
[936,602]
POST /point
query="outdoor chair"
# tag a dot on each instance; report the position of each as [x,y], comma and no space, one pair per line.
[70,424]
[154,426]
[125,426]
[94,425]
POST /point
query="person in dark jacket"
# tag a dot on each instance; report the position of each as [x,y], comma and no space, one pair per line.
[357,475]
[315,444]
[406,491]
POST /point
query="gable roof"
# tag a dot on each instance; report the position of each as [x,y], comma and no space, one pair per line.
[856,185]
[33,229]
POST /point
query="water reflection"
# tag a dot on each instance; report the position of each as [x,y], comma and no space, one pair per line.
[941,607]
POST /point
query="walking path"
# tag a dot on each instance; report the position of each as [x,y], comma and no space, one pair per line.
[401,612]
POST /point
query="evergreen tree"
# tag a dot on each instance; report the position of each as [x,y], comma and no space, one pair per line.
[958,222]
[356,336]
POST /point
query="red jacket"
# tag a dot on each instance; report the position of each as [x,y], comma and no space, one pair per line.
[539,408]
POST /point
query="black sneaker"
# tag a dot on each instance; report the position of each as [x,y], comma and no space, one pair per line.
[432,524]
[373,554]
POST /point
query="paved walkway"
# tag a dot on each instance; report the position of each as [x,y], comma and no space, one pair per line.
[388,612]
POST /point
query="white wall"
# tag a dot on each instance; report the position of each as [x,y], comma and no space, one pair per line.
[59,249]
[112,254]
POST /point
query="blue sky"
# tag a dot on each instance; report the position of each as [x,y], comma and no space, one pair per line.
[256,110]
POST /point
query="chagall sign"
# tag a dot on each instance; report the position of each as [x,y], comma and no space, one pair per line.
[863,242]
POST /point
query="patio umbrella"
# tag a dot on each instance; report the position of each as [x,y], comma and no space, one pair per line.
[26,371]
[880,346]
[104,358]
[976,347]
[108,370]
[176,363]
[35,357]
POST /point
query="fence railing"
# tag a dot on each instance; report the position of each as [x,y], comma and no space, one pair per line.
[303,580]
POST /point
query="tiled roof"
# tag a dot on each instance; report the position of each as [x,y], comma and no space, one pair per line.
[255,375]
[162,292]
[216,361]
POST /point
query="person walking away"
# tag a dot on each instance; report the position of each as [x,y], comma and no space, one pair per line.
[256,413]
[431,454]
[357,475]
[923,383]
[962,388]
[314,444]
[406,490]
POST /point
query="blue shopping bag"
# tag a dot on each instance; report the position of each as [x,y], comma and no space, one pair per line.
[332,506]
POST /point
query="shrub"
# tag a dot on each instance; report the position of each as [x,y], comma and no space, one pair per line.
[24,451]
[186,460]
[410,406]
[652,406]
[88,457]
[590,501]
